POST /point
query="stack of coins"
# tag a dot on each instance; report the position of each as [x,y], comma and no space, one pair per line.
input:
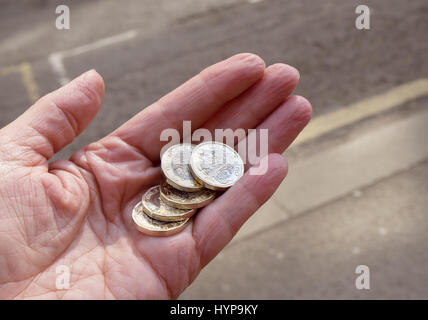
[193,174]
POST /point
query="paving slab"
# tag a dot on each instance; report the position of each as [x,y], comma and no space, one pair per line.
[335,172]
[315,255]
[269,215]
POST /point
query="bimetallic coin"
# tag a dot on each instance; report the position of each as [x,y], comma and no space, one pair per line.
[153,227]
[185,200]
[175,167]
[216,165]
[157,209]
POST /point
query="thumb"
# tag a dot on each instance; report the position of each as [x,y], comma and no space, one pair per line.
[57,118]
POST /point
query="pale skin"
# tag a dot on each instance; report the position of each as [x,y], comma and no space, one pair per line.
[77,212]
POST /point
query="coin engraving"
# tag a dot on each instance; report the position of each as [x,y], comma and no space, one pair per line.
[175,167]
[150,226]
[185,200]
[216,165]
[157,209]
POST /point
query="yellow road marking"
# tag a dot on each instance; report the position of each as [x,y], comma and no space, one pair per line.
[363,109]
[30,84]
[10,69]
[27,77]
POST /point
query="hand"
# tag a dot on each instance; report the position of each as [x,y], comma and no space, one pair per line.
[77,212]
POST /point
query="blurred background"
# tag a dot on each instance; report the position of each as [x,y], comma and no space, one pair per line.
[357,190]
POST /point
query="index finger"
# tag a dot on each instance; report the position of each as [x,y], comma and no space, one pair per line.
[196,100]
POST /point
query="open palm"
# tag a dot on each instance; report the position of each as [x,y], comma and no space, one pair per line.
[77,213]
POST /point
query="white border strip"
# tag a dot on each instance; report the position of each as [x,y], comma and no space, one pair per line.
[56,58]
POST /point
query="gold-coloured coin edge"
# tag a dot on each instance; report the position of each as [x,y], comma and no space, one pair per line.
[182,214]
[151,229]
[181,188]
[183,204]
